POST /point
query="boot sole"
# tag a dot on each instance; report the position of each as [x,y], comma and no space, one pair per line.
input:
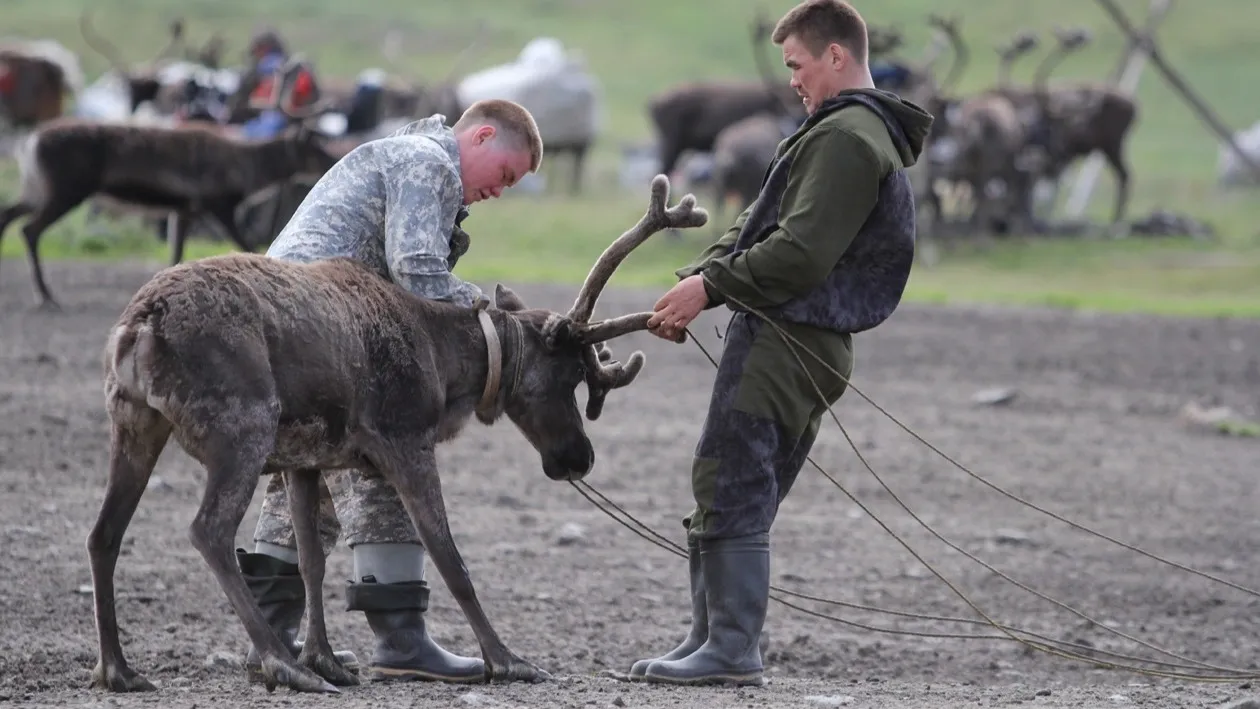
[393,674]
[744,680]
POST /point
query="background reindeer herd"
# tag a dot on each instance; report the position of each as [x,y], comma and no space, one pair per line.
[175,149]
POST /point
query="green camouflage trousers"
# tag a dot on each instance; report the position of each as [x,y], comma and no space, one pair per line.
[763,417]
[365,507]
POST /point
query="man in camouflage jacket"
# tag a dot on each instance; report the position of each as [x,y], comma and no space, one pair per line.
[394,204]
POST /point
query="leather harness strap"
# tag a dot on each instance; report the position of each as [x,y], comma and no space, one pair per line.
[494,352]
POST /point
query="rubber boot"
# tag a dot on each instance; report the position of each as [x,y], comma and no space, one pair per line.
[699,617]
[404,650]
[277,588]
[736,575]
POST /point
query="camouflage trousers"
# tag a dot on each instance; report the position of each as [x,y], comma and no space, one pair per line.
[763,418]
[365,507]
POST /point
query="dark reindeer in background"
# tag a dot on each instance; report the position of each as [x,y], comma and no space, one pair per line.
[186,171]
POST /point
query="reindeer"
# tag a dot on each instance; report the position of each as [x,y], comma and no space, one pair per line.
[744,149]
[977,141]
[1078,119]
[690,116]
[190,171]
[34,79]
[142,84]
[259,366]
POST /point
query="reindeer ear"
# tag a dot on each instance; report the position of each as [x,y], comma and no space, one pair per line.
[558,331]
[507,299]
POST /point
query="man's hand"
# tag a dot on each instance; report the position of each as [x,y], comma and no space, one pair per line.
[677,308]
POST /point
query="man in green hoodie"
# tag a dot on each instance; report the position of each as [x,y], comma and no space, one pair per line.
[825,252]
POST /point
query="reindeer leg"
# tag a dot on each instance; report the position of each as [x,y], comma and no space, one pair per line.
[234,455]
[10,213]
[579,162]
[1116,161]
[317,653]
[52,211]
[137,436]
[412,470]
[177,224]
[225,215]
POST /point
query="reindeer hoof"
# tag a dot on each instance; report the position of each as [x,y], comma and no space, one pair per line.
[516,670]
[279,673]
[120,679]
[328,667]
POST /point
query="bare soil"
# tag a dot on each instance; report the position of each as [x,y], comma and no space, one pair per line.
[1092,434]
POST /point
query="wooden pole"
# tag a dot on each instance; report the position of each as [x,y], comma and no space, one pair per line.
[1174,79]
[1128,74]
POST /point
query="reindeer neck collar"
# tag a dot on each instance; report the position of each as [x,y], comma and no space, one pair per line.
[490,396]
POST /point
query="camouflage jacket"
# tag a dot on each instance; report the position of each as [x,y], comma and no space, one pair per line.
[394,204]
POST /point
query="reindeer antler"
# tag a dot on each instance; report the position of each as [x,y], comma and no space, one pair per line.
[602,378]
[657,218]
[1072,38]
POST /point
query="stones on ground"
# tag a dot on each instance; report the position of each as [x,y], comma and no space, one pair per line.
[994,397]
[1014,538]
[570,534]
[831,700]
[157,483]
[1245,704]
[221,660]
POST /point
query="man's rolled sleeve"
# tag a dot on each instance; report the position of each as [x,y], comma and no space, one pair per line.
[420,213]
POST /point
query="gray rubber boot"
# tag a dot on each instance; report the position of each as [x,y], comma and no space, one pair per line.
[736,575]
[699,617]
[277,588]
[404,650]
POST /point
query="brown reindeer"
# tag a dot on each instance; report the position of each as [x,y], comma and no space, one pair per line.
[259,366]
[33,85]
[190,170]
[1077,119]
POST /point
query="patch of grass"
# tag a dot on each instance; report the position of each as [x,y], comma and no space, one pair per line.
[637,49]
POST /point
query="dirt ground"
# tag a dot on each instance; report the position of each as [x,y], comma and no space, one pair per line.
[1092,434]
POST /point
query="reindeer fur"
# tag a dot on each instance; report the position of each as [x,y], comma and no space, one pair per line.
[189,170]
[261,366]
[742,153]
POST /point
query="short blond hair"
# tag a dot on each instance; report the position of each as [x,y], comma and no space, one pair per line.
[818,23]
[513,123]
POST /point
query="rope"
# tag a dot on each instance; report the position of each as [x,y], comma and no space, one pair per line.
[1008,632]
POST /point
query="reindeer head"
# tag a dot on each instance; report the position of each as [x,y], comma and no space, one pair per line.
[553,353]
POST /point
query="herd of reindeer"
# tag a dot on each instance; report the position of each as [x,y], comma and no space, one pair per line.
[983,164]
[984,159]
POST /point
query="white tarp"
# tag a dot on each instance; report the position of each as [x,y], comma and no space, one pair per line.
[553,85]
[1230,170]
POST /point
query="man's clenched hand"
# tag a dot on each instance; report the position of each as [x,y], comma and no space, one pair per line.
[677,308]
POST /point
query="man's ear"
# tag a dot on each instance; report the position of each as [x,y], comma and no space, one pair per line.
[484,134]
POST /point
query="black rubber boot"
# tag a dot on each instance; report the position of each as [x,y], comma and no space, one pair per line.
[699,617]
[277,588]
[404,650]
[736,575]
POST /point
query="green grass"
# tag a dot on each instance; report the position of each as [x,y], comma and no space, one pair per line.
[639,48]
